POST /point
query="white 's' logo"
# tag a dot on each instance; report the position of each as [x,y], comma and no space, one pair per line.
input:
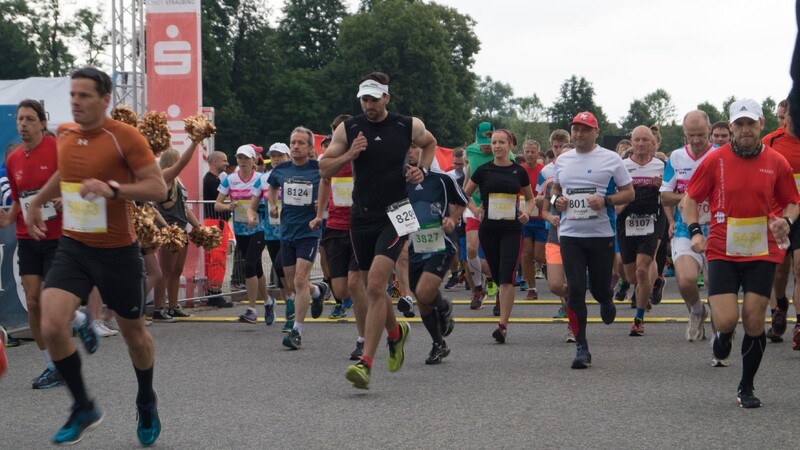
[172,57]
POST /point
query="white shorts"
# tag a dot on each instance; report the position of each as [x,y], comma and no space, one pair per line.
[682,246]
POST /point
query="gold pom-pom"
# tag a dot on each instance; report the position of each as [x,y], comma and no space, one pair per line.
[125,114]
[174,238]
[146,229]
[153,127]
[207,237]
[199,127]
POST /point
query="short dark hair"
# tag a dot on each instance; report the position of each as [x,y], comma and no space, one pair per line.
[35,105]
[458,153]
[380,77]
[721,125]
[339,119]
[101,79]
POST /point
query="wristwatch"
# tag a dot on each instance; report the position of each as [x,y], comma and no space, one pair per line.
[554,198]
[114,189]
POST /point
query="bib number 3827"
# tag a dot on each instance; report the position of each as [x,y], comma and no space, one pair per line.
[403,218]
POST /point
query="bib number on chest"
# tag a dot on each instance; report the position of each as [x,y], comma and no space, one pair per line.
[578,204]
[429,239]
[48,209]
[82,215]
[640,225]
[502,207]
[704,212]
[240,213]
[342,188]
[403,218]
[521,204]
[747,237]
[298,193]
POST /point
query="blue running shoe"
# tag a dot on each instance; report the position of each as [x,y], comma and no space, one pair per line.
[79,422]
[50,378]
[347,303]
[88,336]
[269,311]
[148,425]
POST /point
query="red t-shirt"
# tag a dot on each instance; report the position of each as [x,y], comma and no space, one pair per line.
[533,176]
[785,144]
[742,194]
[339,216]
[26,175]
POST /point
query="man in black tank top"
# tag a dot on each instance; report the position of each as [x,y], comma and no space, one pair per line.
[376,143]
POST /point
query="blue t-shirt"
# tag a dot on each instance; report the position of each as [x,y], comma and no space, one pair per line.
[430,200]
[300,186]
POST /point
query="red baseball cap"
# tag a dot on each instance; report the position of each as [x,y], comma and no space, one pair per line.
[585,118]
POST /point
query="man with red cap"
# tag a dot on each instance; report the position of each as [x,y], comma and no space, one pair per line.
[588,183]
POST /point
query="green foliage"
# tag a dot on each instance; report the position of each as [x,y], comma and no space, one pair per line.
[493,98]
[52,33]
[770,118]
[308,32]
[18,45]
[655,108]
[92,34]
[714,114]
[576,95]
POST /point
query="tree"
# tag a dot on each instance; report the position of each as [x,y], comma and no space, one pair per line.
[576,95]
[659,105]
[18,46]
[770,119]
[638,114]
[308,32]
[726,106]
[529,109]
[91,34]
[714,115]
[52,33]
[493,98]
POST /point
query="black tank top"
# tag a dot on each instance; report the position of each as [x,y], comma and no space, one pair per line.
[379,171]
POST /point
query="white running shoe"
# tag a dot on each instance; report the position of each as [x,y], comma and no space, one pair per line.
[101,330]
[111,324]
[695,329]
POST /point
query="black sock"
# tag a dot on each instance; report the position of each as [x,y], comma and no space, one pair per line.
[580,311]
[70,369]
[783,303]
[752,352]
[145,379]
[431,322]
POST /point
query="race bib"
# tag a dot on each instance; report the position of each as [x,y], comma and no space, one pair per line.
[276,220]
[747,237]
[48,209]
[298,193]
[502,207]
[342,188]
[578,204]
[522,205]
[240,213]
[82,215]
[403,218]
[704,213]
[429,238]
[640,225]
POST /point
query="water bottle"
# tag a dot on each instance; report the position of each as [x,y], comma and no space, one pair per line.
[783,243]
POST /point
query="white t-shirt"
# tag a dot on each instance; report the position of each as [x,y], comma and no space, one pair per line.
[580,175]
[678,171]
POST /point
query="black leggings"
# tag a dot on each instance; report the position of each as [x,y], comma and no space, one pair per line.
[274,250]
[579,254]
[251,247]
[502,247]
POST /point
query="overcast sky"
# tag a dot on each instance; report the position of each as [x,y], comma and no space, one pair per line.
[696,50]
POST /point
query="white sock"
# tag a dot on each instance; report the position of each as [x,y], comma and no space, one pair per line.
[315,293]
[80,317]
[475,270]
[270,301]
[46,357]
[360,339]
[299,327]
[697,308]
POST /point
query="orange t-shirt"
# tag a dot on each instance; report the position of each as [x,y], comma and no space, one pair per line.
[785,144]
[114,151]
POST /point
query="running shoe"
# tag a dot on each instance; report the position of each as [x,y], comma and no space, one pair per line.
[219,302]
[438,352]
[500,334]
[533,294]
[111,324]
[249,316]
[658,291]
[622,290]
[523,285]
[491,288]
[539,274]
[50,378]
[358,352]
[79,422]
[394,290]
[88,335]
[347,303]
[669,272]
[269,311]
[162,315]
[746,398]
[720,362]
[178,312]
[608,312]
[338,312]
[637,328]
[358,374]
[569,337]
[778,326]
[396,349]
[583,358]
[452,281]
[478,296]
[446,321]
[290,309]
[496,309]
[288,326]
[292,341]
[561,313]
[148,425]
[317,303]
[796,337]
[721,346]
[406,306]
[701,281]
[695,329]
[101,330]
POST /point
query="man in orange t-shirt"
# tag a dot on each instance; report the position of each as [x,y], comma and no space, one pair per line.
[103,166]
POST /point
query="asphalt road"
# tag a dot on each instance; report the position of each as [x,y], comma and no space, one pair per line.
[223,384]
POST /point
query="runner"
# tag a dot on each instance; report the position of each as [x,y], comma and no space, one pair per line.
[748,236]
[99,246]
[588,183]
[377,144]
[438,203]
[459,173]
[720,134]
[500,181]
[534,232]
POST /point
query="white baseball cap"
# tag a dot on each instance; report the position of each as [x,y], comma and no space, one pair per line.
[745,107]
[372,88]
[246,150]
[279,147]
